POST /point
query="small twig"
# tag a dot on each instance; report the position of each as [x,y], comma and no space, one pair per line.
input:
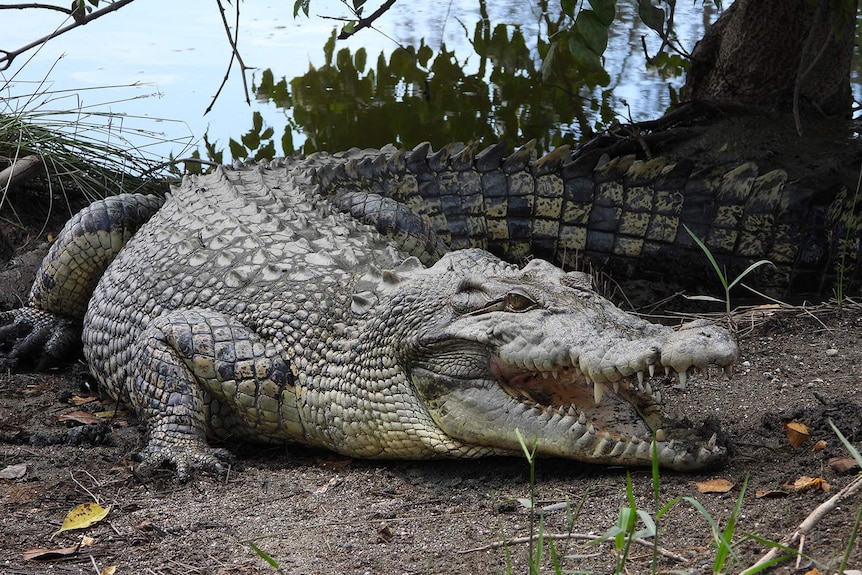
[7,56]
[235,55]
[81,485]
[582,536]
[65,11]
[367,22]
[806,526]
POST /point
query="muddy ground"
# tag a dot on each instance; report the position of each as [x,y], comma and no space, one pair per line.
[314,512]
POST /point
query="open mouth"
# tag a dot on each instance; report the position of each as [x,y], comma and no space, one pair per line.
[619,418]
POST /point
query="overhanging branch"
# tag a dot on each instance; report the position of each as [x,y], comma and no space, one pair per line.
[8,56]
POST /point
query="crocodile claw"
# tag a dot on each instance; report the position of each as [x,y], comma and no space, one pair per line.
[35,337]
[185,459]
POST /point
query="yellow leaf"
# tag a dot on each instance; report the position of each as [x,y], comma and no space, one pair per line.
[820,445]
[714,486]
[110,570]
[83,515]
[804,483]
[797,433]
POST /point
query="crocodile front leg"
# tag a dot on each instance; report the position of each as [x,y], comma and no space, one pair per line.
[48,328]
[200,373]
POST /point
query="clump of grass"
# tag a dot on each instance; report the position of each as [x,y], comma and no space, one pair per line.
[726,283]
[86,150]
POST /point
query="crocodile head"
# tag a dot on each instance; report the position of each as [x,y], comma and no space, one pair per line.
[537,350]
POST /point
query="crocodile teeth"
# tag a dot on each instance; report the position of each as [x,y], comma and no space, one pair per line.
[667,370]
[598,392]
[616,385]
[711,443]
[582,418]
[657,396]
[651,368]
[641,375]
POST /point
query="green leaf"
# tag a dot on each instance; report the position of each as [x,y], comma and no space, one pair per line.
[301,5]
[606,10]
[267,134]
[424,54]
[569,6]
[236,150]
[359,60]
[548,62]
[257,122]
[595,33]
[651,16]
[251,140]
[267,152]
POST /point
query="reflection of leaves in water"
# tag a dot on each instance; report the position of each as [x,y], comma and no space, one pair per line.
[417,94]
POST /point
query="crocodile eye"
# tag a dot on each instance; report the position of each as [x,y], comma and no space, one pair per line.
[518,301]
[470,297]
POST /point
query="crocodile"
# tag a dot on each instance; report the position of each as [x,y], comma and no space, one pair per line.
[267,303]
[627,216]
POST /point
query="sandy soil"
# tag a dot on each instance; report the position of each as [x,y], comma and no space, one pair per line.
[315,512]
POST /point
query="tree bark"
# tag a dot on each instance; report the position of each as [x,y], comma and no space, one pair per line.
[778,54]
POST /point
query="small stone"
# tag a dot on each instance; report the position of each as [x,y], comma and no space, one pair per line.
[831,351]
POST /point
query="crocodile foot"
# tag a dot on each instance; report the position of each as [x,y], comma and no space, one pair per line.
[34,337]
[185,459]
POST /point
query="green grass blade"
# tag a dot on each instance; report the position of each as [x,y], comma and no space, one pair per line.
[718,271]
[265,556]
[747,271]
[853,451]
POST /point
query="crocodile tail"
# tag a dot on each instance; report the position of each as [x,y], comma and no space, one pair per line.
[626,213]
[84,248]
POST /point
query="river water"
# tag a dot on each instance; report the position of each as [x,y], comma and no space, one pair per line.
[166,60]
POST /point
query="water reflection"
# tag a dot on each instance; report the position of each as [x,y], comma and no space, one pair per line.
[492,87]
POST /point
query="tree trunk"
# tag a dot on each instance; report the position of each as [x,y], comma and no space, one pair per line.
[778,54]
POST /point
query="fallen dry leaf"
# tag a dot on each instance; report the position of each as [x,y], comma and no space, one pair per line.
[80,416]
[814,571]
[42,553]
[769,493]
[110,570]
[843,464]
[714,486]
[804,483]
[819,446]
[81,400]
[82,516]
[14,471]
[797,433]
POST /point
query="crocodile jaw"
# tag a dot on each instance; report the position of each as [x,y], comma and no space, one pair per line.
[592,402]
